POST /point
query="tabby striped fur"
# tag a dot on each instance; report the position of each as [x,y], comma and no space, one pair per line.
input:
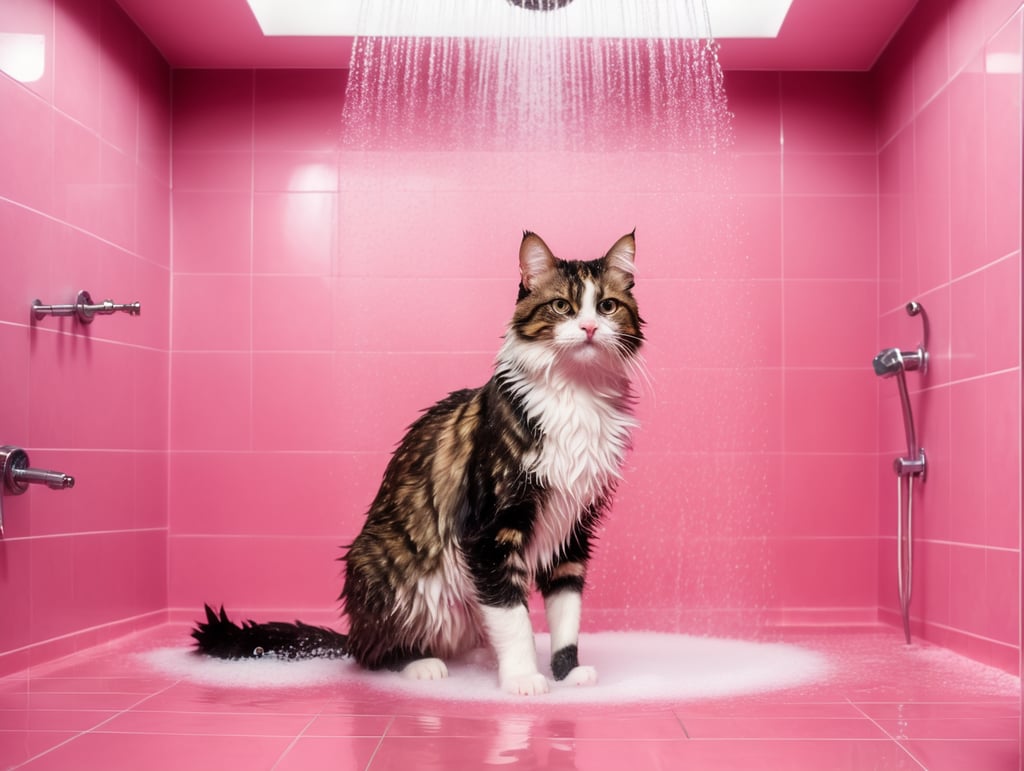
[498,489]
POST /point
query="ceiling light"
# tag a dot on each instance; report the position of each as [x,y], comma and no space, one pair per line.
[23,56]
[498,18]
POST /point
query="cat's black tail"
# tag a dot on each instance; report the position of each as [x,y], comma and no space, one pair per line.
[224,639]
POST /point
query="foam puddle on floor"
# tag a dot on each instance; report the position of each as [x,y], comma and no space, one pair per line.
[631,667]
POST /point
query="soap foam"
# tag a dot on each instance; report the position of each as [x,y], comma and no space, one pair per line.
[632,667]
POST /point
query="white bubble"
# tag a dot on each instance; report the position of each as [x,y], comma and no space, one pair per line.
[632,667]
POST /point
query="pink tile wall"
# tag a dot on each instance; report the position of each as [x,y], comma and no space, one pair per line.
[319,298]
[262,474]
[323,297]
[950,211]
[84,204]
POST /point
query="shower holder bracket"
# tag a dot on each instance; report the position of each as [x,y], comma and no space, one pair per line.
[908,467]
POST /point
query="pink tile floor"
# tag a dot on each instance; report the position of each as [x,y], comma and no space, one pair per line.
[883,706]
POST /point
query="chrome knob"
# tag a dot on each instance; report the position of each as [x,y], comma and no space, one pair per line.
[16,476]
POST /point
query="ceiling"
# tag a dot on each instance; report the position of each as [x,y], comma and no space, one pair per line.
[816,35]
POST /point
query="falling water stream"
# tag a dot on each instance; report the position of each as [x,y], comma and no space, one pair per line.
[576,95]
[536,79]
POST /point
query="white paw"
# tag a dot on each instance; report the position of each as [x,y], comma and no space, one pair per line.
[581,676]
[425,669]
[526,685]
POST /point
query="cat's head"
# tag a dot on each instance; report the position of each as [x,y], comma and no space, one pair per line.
[576,312]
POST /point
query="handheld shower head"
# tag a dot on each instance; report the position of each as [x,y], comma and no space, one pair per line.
[892,361]
[888,362]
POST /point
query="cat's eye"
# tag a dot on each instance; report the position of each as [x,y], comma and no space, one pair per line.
[561,306]
[608,306]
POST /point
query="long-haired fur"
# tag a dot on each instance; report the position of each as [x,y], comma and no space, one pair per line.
[492,491]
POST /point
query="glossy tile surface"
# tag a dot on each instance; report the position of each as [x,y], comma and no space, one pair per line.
[768,283]
[949,237]
[882,706]
[84,204]
[305,302]
[353,289]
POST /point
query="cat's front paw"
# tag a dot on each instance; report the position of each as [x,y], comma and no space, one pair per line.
[581,676]
[425,669]
[534,684]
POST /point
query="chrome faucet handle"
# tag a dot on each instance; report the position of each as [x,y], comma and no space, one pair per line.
[55,480]
[16,476]
[84,309]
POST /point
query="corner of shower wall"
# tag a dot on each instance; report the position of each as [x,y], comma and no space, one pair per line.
[84,204]
[949,96]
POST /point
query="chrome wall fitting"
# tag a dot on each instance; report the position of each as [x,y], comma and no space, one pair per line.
[914,465]
[16,476]
[84,309]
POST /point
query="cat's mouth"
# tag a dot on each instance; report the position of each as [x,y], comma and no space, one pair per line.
[587,348]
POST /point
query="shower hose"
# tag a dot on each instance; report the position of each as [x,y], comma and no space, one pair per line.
[905,548]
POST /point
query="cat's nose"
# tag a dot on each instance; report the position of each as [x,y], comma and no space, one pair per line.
[590,327]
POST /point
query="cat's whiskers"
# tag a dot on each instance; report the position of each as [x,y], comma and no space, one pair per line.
[635,364]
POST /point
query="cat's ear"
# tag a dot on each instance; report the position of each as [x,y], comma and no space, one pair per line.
[535,259]
[622,256]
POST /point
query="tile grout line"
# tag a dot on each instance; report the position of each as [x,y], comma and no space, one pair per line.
[380,743]
[93,729]
[895,740]
[295,740]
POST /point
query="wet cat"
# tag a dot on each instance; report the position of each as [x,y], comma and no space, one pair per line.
[493,491]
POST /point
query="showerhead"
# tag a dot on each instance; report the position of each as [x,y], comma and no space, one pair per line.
[540,5]
[888,362]
[892,361]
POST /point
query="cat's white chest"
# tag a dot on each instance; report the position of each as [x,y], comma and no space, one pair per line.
[584,440]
